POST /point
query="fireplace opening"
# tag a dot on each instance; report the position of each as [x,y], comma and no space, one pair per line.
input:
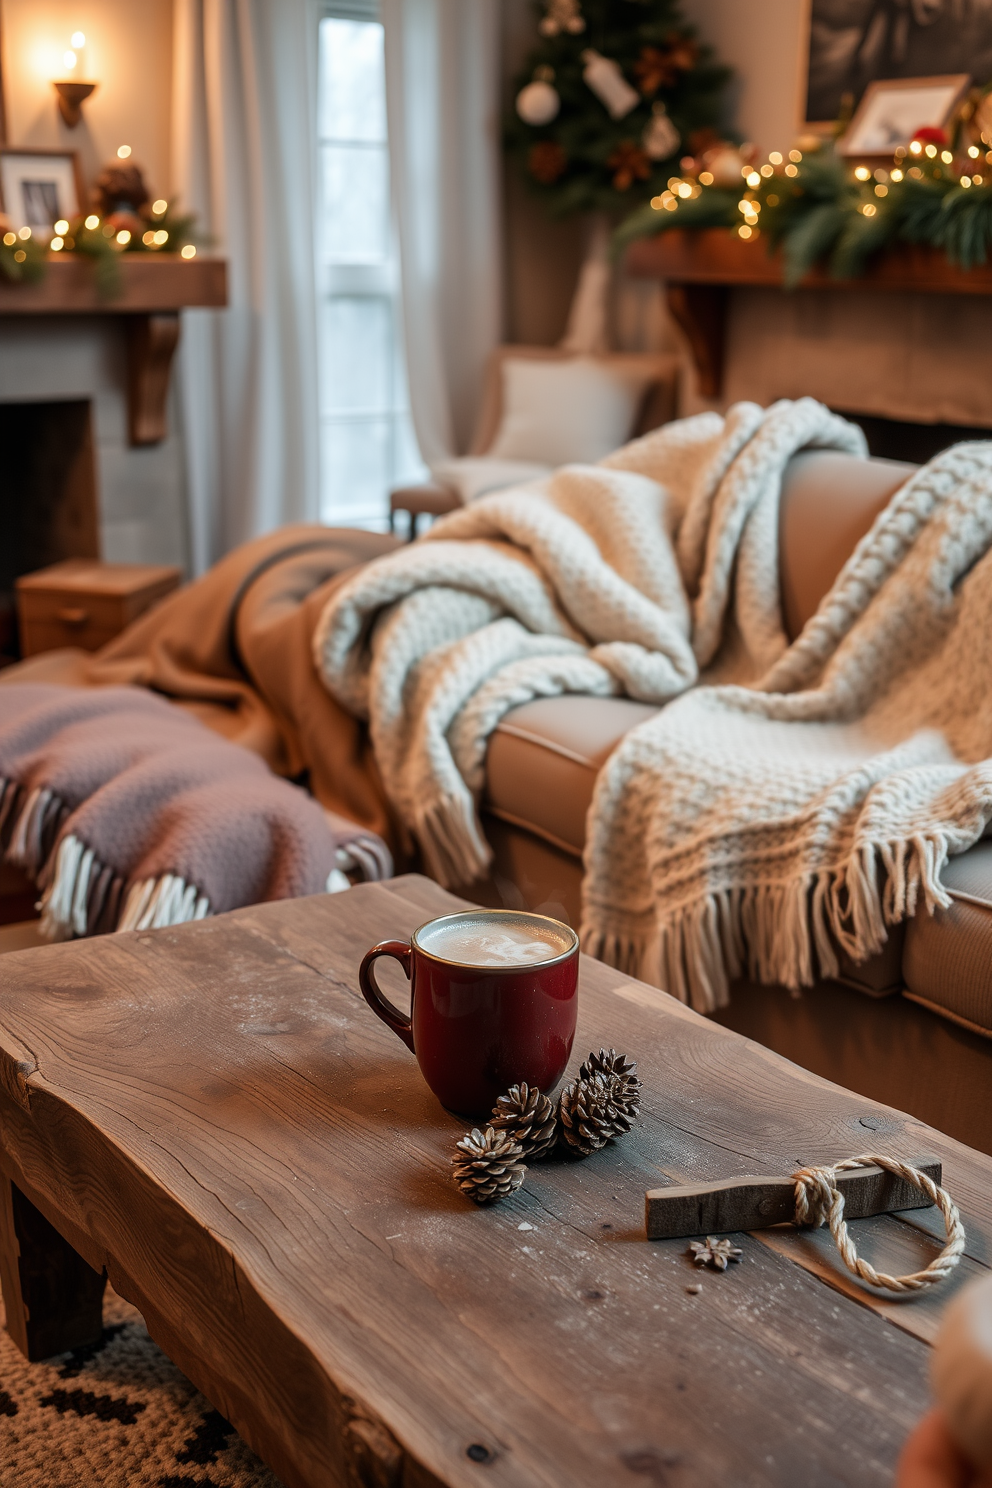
[892,439]
[48,501]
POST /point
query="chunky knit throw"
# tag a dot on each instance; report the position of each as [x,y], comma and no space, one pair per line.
[757,829]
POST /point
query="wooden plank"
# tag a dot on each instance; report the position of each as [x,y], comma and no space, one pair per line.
[148,283]
[259,1165]
[717,256]
[758,1203]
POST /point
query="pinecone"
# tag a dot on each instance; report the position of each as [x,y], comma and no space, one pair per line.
[487,1168]
[592,1111]
[529,1118]
[627,1091]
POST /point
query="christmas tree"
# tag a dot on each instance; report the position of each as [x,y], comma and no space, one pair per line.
[613,94]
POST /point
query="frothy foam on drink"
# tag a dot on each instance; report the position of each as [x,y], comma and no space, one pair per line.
[490,942]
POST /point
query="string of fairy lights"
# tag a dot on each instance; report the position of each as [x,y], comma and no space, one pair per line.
[929,194]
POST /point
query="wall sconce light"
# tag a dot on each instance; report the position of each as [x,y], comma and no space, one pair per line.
[72,94]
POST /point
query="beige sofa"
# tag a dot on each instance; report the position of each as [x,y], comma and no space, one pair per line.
[912,1027]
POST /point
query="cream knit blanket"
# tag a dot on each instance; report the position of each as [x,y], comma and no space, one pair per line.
[755,830]
[625,577]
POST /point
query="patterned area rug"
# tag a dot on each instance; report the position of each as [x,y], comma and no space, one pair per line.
[118,1414]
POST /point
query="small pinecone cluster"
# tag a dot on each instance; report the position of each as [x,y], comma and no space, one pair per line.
[600,1104]
[597,1107]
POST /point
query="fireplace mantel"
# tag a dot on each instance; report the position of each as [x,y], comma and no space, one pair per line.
[153,289]
[701,267]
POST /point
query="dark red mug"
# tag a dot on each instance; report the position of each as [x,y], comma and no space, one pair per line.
[477,1028]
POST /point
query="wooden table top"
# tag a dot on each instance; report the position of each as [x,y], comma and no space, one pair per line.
[214,1115]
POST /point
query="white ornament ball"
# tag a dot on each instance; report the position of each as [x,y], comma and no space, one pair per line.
[961,1370]
[538,103]
[725,167]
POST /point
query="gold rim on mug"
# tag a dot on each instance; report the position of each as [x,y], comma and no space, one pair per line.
[495,914]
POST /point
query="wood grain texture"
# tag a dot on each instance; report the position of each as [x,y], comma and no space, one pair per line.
[213,1115]
[758,1203]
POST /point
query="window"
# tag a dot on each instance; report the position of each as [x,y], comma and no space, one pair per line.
[367,441]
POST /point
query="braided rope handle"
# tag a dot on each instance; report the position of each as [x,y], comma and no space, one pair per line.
[819,1200]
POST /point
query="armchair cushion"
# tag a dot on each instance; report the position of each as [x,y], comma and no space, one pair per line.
[572,411]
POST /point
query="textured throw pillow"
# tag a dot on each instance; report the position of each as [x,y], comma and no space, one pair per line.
[572,411]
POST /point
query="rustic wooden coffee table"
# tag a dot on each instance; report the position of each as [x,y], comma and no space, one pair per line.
[212,1117]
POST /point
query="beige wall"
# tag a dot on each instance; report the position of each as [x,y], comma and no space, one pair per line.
[765,42]
[129,55]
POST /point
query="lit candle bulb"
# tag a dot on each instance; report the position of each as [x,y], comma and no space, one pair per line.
[78,65]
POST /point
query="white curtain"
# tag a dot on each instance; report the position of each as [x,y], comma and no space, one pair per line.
[442,97]
[243,151]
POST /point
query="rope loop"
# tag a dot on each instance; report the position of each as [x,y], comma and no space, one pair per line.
[819,1201]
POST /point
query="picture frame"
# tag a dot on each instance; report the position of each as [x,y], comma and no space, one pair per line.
[893,109]
[38,187]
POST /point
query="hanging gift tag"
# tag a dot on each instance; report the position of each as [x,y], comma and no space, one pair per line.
[660,138]
[603,76]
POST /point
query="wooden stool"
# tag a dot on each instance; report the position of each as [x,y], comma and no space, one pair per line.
[427,499]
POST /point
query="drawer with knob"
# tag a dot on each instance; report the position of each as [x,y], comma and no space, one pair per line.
[85,603]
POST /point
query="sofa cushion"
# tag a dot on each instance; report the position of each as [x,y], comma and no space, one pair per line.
[947,962]
[544,758]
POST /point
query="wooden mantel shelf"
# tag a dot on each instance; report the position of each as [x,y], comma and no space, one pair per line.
[153,290]
[700,268]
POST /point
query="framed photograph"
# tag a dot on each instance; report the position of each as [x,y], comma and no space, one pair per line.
[891,112]
[37,187]
[853,43]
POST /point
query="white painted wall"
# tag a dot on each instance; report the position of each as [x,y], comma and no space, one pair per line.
[765,42]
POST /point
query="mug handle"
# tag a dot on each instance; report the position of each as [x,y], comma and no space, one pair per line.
[380,1005]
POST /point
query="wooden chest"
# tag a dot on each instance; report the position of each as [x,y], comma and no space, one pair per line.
[83,602]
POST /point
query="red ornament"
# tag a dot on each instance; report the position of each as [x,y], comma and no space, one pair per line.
[931,135]
[546,161]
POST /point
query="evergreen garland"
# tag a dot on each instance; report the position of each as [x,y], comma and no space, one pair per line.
[820,208]
[25,260]
[585,160]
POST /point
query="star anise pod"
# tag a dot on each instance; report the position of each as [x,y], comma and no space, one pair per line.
[629,163]
[714,1252]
